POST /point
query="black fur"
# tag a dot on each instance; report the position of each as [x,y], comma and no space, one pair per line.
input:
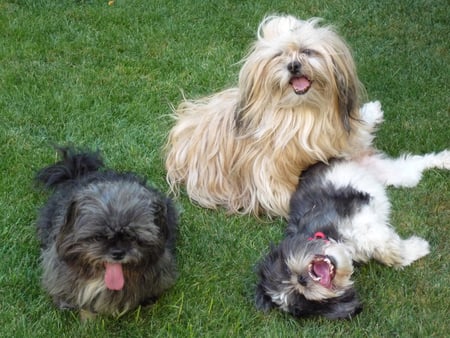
[343,307]
[318,206]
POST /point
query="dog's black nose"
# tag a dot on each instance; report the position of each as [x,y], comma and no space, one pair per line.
[117,254]
[302,280]
[294,67]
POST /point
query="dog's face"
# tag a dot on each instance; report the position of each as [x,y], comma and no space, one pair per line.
[111,227]
[300,63]
[306,276]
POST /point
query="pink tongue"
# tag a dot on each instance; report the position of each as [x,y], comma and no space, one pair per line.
[300,84]
[114,276]
[321,269]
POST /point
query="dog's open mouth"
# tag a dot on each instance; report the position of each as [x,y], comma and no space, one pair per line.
[300,84]
[322,270]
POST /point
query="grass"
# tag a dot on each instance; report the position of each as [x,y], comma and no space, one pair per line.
[100,75]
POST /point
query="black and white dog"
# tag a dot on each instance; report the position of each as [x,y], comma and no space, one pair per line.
[340,215]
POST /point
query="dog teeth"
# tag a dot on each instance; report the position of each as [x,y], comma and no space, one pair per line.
[315,278]
[330,265]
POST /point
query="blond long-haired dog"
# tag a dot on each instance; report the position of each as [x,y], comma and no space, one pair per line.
[297,103]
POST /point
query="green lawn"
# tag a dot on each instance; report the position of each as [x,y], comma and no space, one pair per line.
[105,76]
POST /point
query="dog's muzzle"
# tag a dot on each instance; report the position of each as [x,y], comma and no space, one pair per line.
[299,82]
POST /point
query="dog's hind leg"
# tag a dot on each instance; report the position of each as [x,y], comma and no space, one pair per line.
[406,170]
[373,237]
[399,252]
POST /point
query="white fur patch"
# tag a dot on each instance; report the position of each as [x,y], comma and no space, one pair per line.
[368,233]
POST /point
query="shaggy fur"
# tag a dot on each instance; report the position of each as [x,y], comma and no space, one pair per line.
[108,239]
[297,103]
[340,214]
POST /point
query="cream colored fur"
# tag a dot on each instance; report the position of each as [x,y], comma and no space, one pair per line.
[245,147]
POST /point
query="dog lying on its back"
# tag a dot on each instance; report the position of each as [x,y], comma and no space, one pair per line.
[340,214]
[108,239]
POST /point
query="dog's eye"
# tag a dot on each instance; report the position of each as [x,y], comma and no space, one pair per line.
[307,52]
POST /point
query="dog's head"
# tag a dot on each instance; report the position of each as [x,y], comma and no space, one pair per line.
[298,63]
[308,276]
[111,227]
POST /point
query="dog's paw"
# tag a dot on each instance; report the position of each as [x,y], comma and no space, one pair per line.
[86,315]
[414,248]
[371,113]
[442,160]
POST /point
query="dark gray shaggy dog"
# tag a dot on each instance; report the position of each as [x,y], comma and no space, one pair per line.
[108,239]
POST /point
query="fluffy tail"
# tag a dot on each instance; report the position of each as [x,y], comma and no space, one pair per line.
[74,164]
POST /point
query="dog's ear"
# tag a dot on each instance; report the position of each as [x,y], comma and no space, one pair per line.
[239,124]
[171,216]
[343,307]
[166,218]
[271,271]
[263,301]
[347,97]
[346,82]
[160,215]
[66,229]
[346,310]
